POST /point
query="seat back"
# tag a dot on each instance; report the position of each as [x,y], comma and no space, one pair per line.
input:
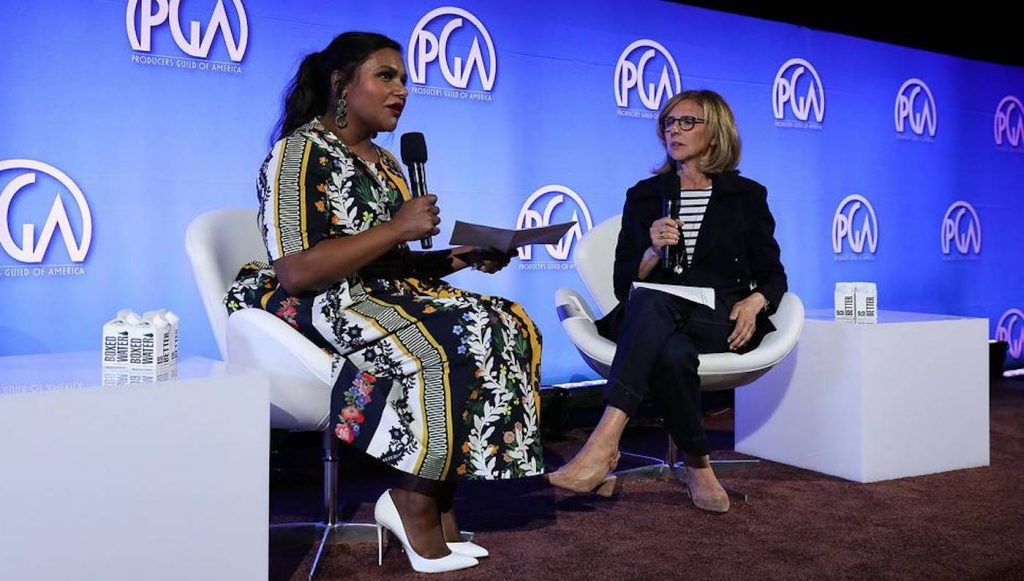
[218,243]
[595,261]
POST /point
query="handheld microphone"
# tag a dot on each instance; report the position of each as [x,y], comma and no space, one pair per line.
[667,255]
[414,156]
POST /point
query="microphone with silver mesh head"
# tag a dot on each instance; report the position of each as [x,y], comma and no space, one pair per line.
[414,156]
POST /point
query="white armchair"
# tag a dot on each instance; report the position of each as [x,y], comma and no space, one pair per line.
[218,243]
[594,261]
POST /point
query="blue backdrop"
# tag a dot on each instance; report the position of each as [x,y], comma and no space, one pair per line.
[121,120]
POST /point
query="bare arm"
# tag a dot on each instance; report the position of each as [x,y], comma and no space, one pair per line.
[335,259]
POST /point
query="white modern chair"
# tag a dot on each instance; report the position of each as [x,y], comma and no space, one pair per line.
[595,257]
[218,243]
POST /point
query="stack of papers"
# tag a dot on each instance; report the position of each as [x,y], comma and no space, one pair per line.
[697,294]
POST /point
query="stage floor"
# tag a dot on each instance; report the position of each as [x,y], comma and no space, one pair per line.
[797,524]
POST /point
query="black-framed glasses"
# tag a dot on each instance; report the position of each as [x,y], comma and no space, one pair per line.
[684,123]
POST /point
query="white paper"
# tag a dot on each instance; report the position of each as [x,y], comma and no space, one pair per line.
[696,294]
[503,239]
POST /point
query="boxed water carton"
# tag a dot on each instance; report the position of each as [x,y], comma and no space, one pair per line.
[846,302]
[174,322]
[163,335]
[146,342]
[115,339]
[142,344]
[867,302]
[856,302]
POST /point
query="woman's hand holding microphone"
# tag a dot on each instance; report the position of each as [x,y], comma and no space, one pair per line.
[416,219]
[664,232]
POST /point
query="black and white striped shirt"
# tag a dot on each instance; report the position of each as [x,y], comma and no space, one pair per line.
[692,205]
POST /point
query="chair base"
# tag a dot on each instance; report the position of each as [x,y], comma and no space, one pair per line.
[344,533]
[324,534]
[661,470]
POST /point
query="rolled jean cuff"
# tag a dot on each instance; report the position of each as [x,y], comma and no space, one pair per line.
[694,446]
[620,395]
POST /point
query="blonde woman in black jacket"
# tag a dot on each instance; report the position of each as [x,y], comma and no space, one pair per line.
[723,238]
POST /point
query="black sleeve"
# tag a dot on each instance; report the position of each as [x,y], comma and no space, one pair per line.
[633,241]
[763,251]
[430,263]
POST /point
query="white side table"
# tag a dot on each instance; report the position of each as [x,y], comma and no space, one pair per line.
[904,397]
[164,480]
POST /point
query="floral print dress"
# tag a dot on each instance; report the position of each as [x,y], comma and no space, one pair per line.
[432,380]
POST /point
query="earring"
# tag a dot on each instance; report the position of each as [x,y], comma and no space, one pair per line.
[341,112]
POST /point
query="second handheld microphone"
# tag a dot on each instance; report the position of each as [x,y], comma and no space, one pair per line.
[414,156]
[668,256]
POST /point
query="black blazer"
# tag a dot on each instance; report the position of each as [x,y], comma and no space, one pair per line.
[736,250]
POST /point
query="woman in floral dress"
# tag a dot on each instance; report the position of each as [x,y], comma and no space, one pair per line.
[437,382]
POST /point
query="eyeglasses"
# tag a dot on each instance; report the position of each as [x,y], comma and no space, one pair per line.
[684,123]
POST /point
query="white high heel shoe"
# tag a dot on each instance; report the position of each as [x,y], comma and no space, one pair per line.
[387,517]
[468,548]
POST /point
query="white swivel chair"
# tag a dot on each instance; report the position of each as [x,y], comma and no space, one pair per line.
[595,257]
[218,243]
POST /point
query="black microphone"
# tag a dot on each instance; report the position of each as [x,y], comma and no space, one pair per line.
[414,156]
[667,255]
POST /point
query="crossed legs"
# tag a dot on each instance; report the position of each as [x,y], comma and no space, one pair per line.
[658,347]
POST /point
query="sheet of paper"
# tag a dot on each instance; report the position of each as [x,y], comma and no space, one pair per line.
[697,294]
[503,239]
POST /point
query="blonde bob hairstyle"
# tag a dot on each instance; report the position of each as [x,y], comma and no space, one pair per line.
[723,138]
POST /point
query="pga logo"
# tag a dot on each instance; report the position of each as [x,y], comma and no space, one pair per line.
[33,249]
[154,13]
[538,211]
[426,47]
[855,223]
[631,72]
[798,85]
[1011,330]
[961,229]
[915,106]
[1008,123]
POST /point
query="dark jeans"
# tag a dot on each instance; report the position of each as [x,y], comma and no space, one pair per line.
[659,337]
